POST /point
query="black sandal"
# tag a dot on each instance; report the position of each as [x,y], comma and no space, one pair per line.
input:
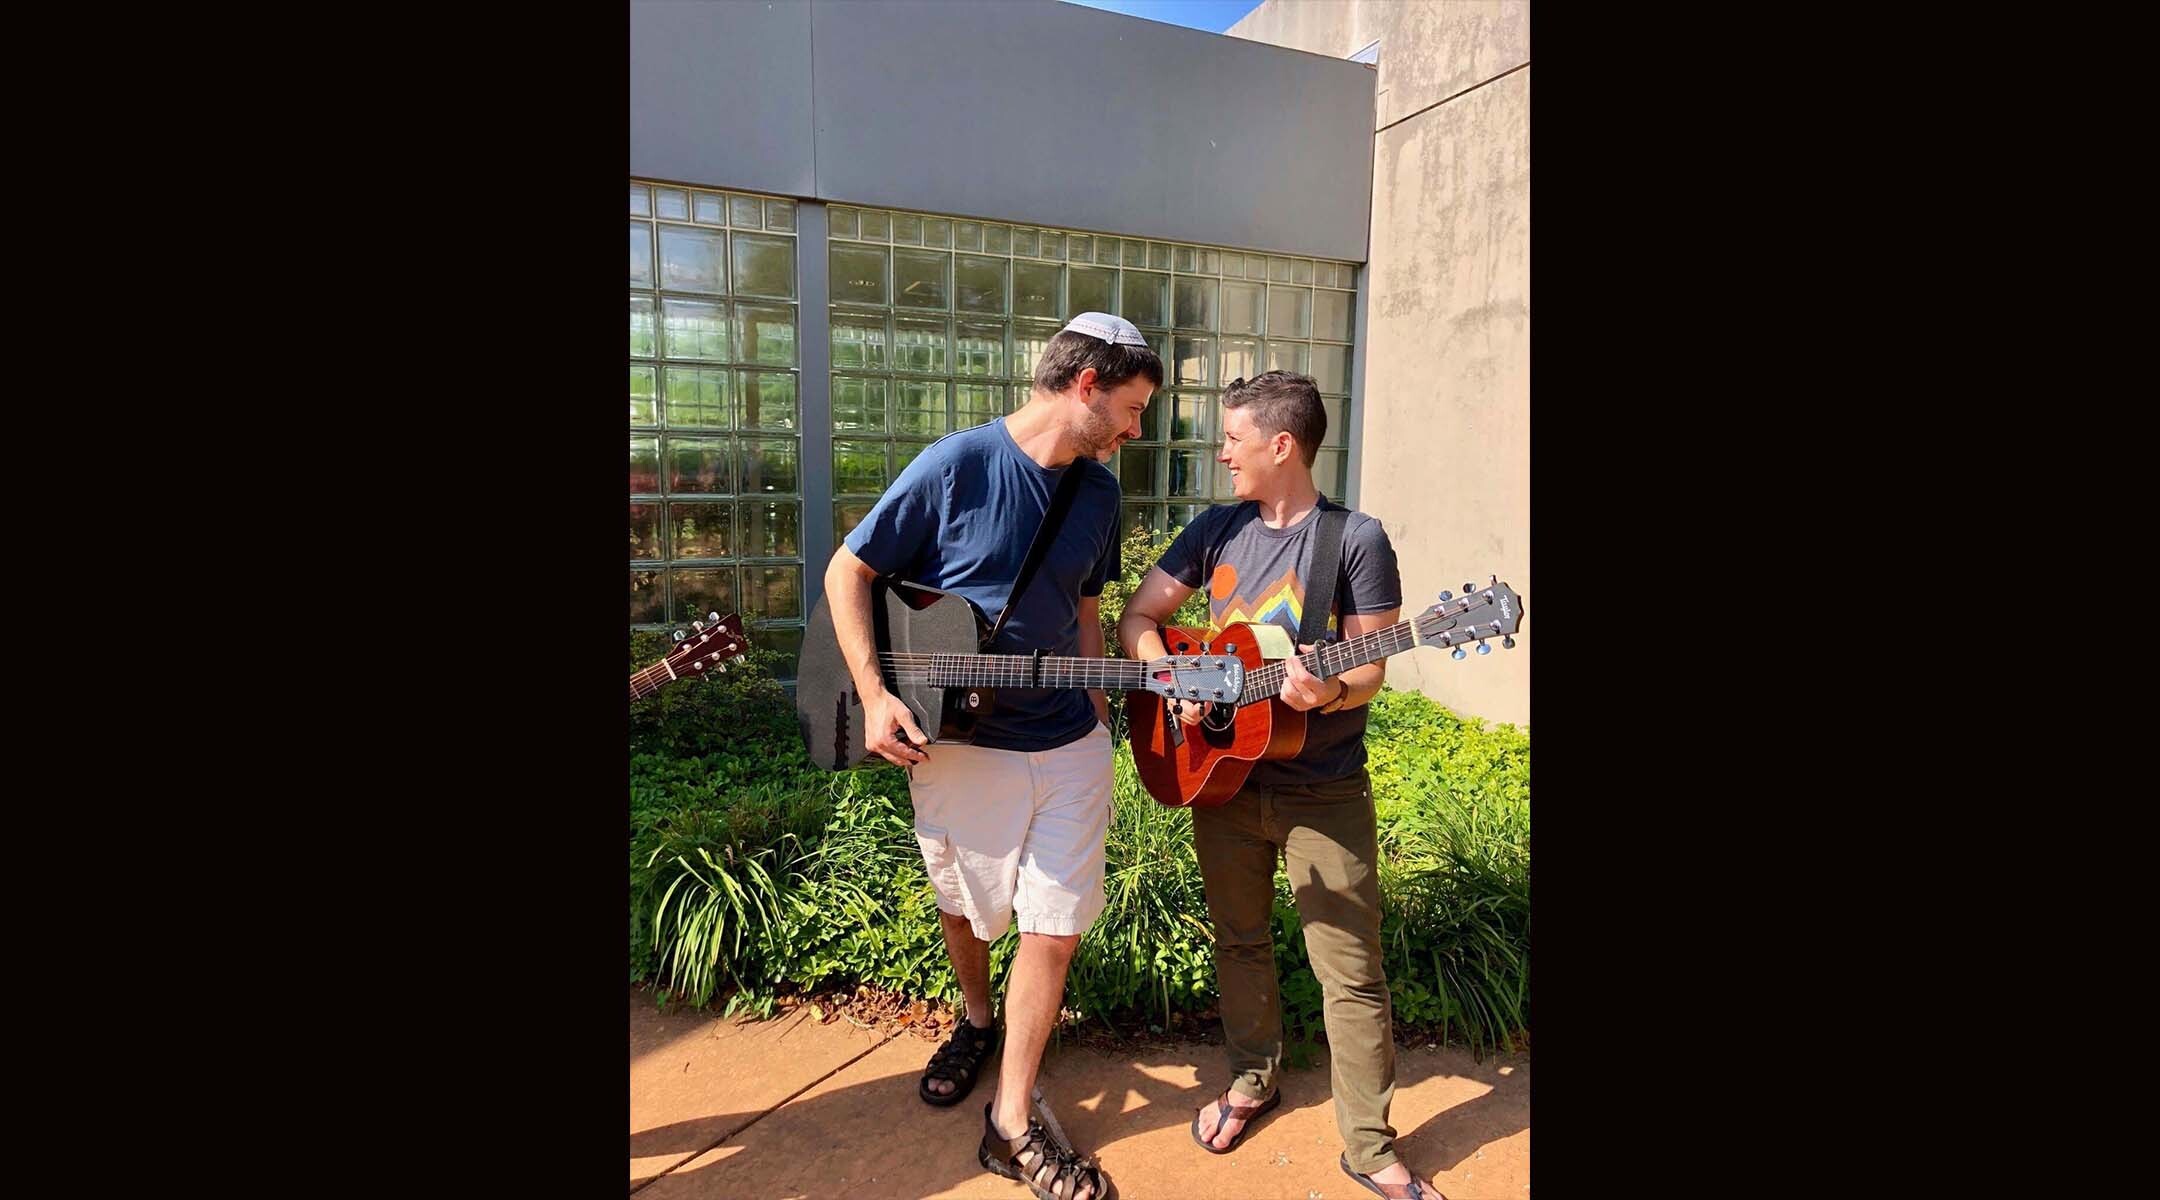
[958,1062]
[1412,1190]
[1225,1112]
[1035,1159]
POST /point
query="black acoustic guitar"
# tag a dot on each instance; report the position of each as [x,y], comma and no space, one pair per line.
[929,643]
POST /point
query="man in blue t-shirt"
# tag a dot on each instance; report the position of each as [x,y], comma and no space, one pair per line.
[1012,822]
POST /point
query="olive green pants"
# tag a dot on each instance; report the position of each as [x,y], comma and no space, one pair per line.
[1326,836]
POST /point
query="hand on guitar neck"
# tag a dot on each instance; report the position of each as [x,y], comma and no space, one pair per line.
[1301,690]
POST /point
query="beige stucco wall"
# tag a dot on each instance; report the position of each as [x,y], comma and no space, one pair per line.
[1444,456]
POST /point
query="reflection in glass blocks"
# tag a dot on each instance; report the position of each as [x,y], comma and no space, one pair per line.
[1331,367]
[978,283]
[1240,359]
[977,404]
[766,400]
[858,404]
[644,465]
[1288,356]
[1146,298]
[641,327]
[859,340]
[698,397]
[1090,290]
[693,329]
[1289,312]
[857,274]
[1192,359]
[641,275]
[699,466]
[1331,315]
[1136,469]
[643,392]
[1189,472]
[1195,304]
[648,597]
[644,530]
[765,333]
[1241,307]
[921,344]
[1035,288]
[700,590]
[981,348]
[764,265]
[919,408]
[770,528]
[859,468]
[693,260]
[919,279]
[772,591]
[769,465]
[701,529]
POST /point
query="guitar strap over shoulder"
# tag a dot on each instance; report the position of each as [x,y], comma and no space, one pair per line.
[1060,500]
[1320,585]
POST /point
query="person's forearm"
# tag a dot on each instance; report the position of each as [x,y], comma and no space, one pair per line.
[849,590]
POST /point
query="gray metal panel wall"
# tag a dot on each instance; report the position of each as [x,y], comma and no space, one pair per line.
[720,94]
[1025,110]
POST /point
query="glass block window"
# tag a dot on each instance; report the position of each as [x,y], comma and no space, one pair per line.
[716,501]
[936,324]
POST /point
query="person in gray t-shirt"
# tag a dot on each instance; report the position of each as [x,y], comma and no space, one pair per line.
[1316,810]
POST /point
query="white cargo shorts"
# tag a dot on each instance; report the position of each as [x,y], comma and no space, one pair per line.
[1016,831]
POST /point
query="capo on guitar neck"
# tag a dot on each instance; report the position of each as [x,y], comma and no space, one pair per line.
[1037,675]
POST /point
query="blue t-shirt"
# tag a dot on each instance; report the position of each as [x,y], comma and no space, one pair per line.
[961,518]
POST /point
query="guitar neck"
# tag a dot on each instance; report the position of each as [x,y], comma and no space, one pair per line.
[650,680]
[1331,659]
[1013,671]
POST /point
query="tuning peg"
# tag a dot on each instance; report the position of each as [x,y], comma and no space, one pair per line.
[1469,588]
[680,634]
[1482,648]
[1457,654]
[723,668]
[1446,596]
[713,617]
[1507,643]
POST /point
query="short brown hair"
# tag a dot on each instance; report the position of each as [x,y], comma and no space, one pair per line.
[1283,402]
[1069,353]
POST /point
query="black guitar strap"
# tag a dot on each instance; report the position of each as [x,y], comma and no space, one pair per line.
[1067,488]
[1320,585]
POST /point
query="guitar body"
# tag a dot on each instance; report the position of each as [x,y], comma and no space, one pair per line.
[1206,767]
[904,618]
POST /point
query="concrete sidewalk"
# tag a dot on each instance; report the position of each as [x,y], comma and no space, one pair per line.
[789,1108]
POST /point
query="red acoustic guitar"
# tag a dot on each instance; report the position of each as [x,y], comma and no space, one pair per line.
[712,645]
[1205,764]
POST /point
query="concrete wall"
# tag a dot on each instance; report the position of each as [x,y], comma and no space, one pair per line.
[1445,451]
[1020,110]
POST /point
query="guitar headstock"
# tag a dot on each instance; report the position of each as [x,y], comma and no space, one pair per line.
[1493,610]
[708,643]
[1196,677]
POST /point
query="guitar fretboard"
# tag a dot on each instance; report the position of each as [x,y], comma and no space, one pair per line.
[650,680]
[1013,671]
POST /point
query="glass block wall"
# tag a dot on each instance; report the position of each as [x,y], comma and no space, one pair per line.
[936,323]
[716,501]
[933,323]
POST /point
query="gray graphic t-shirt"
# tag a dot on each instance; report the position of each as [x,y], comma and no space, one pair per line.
[1256,574]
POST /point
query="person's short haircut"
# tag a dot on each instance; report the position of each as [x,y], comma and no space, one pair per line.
[1282,402]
